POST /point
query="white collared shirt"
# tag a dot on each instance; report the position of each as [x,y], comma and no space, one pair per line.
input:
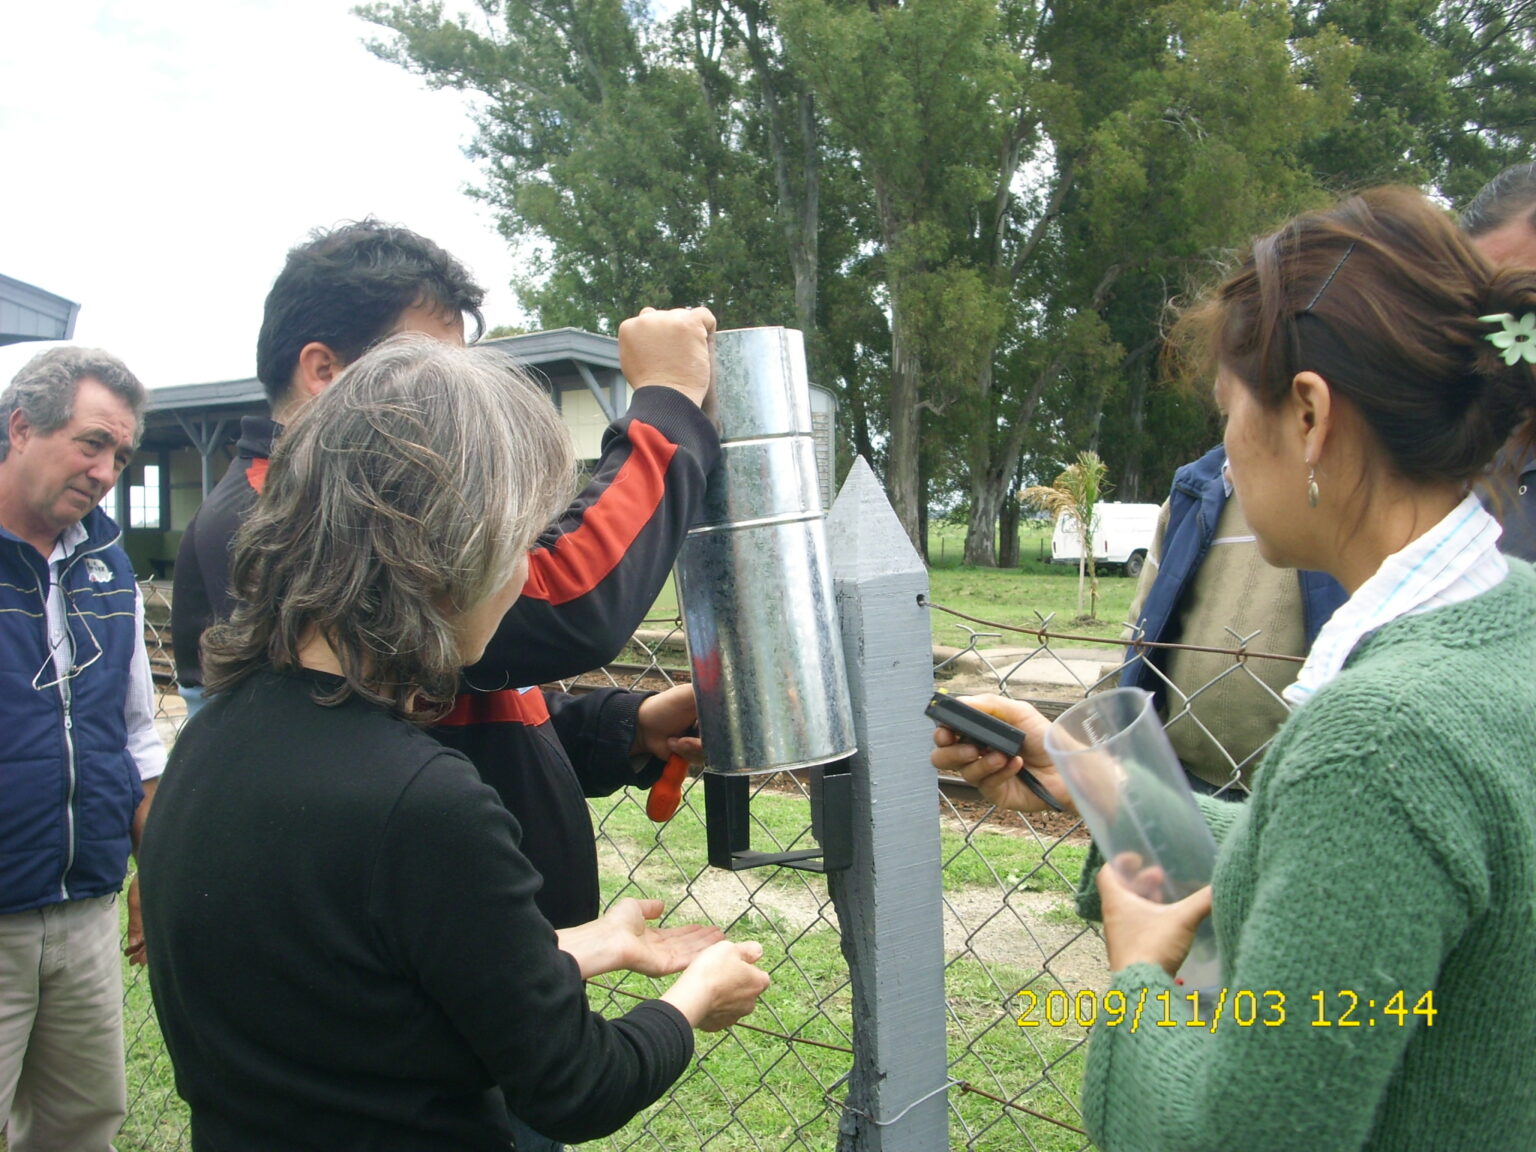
[144,743]
[1454,561]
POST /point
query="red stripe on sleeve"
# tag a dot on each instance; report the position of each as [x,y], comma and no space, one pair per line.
[578,561]
[508,706]
[256,474]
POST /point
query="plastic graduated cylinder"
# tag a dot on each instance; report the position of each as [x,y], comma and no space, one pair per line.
[1130,788]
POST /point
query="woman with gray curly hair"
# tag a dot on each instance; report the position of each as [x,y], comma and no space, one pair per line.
[344,943]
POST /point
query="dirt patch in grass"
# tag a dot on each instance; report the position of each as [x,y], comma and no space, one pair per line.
[1017,936]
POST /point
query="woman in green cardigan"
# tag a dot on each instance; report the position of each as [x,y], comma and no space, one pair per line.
[1377,895]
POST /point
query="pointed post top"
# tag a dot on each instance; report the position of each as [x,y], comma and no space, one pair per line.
[865,536]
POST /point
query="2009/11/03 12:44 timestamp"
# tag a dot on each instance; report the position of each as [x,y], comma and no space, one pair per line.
[1242,1008]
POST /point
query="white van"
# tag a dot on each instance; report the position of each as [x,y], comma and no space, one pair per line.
[1123,535]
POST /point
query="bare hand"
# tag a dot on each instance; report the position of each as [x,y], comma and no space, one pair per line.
[669,350]
[624,938]
[133,945]
[653,951]
[721,986]
[997,775]
[1138,927]
[661,722]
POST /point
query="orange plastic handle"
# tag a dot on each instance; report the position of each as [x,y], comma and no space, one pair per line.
[667,792]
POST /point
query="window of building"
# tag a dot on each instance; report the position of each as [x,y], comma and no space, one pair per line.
[144,498]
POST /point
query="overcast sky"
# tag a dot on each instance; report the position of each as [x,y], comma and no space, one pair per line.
[161,156]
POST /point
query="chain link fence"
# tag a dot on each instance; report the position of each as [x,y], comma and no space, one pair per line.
[1011,925]
[1016,954]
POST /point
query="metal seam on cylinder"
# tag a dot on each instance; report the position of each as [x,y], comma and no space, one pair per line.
[767,438]
[785,518]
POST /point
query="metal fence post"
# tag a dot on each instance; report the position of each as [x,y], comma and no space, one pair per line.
[889,904]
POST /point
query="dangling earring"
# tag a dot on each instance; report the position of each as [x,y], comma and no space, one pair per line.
[1311,487]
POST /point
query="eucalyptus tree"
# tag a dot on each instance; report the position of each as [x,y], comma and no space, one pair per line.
[1444,91]
[621,157]
[976,209]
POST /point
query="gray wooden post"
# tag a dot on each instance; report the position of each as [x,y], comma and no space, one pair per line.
[889,904]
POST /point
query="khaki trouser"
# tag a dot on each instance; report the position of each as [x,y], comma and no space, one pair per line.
[61,1027]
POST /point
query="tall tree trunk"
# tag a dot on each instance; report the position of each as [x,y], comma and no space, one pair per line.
[804,247]
[855,403]
[991,469]
[986,507]
[986,496]
[1100,298]
[901,460]
[924,480]
[1008,530]
[990,485]
[1138,371]
[798,193]
[858,420]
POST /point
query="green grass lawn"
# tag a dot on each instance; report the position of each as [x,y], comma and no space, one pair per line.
[1022,597]
[1022,600]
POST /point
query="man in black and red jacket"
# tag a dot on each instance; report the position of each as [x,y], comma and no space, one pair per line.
[591,579]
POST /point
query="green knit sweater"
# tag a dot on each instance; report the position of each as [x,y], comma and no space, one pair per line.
[1390,847]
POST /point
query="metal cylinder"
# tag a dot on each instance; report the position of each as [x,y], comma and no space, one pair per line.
[753,577]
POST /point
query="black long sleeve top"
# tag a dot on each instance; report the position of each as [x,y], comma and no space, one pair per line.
[345,950]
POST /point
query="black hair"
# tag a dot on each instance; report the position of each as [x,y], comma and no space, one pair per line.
[346,287]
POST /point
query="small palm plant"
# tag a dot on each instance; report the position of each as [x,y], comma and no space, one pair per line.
[1076,494]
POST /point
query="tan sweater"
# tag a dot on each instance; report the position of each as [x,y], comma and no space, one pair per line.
[1221,712]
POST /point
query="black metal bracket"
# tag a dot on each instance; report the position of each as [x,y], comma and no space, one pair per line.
[728,822]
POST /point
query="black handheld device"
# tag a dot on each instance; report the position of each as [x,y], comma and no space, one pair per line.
[985,731]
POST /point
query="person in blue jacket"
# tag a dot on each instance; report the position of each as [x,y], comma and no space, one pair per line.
[1205,585]
[80,757]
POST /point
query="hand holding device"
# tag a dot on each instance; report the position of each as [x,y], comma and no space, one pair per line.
[984,730]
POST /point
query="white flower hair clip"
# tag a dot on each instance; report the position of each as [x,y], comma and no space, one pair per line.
[1516,340]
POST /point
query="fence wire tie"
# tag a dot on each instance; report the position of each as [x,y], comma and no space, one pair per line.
[1241,655]
[863,1115]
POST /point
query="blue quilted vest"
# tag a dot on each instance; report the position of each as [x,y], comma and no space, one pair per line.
[1194,507]
[68,786]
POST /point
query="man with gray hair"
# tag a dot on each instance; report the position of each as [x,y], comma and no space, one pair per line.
[1501,223]
[81,755]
